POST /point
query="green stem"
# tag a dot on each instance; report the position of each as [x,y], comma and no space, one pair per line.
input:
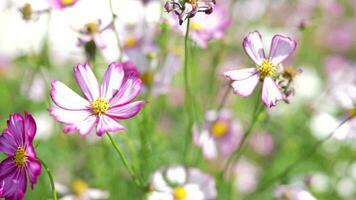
[133,175]
[50,179]
[114,17]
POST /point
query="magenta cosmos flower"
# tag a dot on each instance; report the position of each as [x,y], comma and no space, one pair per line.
[266,70]
[60,4]
[21,162]
[102,105]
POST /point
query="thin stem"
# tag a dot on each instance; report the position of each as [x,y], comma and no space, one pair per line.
[124,160]
[114,17]
[303,157]
[50,179]
[225,97]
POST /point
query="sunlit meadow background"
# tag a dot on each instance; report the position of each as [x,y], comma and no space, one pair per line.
[32,53]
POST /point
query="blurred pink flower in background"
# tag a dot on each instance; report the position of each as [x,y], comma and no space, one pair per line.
[292,193]
[102,106]
[181,183]
[219,136]
[79,190]
[266,70]
[262,143]
[21,163]
[60,4]
[246,176]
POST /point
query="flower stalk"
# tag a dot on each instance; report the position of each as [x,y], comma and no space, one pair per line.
[50,177]
[114,17]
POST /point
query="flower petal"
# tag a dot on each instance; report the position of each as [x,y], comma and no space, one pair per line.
[8,144]
[87,81]
[69,116]
[15,180]
[127,92]
[107,124]
[66,98]
[245,87]
[241,74]
[30,127]
[83,127]
[281,48]
[15,125]
[253,47]
[126,111]
[270,93]
[33,170]
[112,80]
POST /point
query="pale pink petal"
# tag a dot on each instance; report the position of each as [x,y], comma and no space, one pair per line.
[112,80]
[240,74]
[69,116]
[126,111]
[270,92]
[127,92]
[83,127]
[107,124]
[281,48]
[33,170]
[65,98]
[245,87]
[87,81]
[253,47]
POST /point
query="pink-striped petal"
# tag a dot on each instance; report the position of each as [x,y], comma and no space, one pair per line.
[126,111]
[253,47]
[112,80]
[84,127]
[33,167]
[127,92]
[270,93]
[15,125]
[66,98]
[245,87]
[14,178]
[107,124]
[7,143]
[281,48]
[87,81]
[69,116]
[241,74]
[30,127]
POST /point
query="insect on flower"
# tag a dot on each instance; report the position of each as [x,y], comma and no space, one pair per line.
[21,162]
[266,70]
[102,105]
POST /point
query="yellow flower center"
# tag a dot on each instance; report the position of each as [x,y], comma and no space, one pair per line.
[99,106]
[179,193]
[267,69]
[79,187]
[130,42]
[20,157]
[146,78]
[67,2]
[193,2]
[219,129]
[27,11]
[196,26]
[290,73]
[91,28]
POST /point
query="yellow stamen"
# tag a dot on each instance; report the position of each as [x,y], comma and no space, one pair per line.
[27,11]
[130,42]
[91,28]
[193,2]
[146,78]
[267,69]
[179,193]
[20,157]
[100,106]
[79,187]
[219,129]
[196,26]
[67,2]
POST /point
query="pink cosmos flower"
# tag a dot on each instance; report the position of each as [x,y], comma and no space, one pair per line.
[266,70]
[21,162]
[60,4]
[102,105]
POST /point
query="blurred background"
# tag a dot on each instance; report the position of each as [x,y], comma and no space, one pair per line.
[46,47]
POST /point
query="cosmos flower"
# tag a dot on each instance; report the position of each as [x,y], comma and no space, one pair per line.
[180,183]
[219,136]
[287,192]
[102,105]
[21,162]
[79,190]
[266,70]
[185,9]
[204,28]
[262,143]
[246,176]
[60,4]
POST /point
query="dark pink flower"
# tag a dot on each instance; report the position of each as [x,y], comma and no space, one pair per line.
[60,4]
[102,105]
[21,162]
[266,70]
